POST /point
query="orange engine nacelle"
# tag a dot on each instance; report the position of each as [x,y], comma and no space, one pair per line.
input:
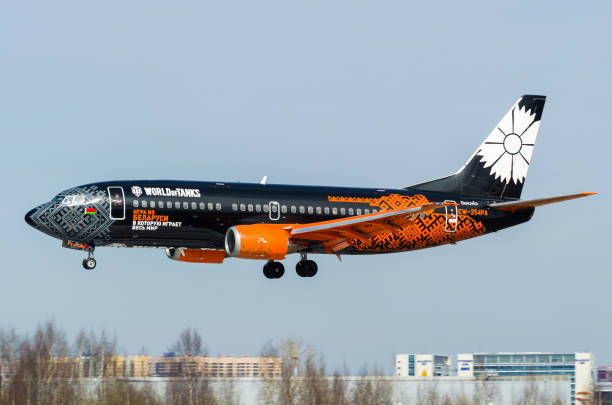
[196,255]
[259,241]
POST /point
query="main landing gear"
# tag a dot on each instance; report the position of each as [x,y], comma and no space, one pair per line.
[273,269]
[305,267]
[89,263]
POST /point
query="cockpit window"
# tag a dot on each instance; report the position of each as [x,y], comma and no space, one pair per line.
[78,199]
[59,198]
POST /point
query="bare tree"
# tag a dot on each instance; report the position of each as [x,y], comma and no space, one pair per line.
[372,388]
[190,385]
[41,370]
[189,343]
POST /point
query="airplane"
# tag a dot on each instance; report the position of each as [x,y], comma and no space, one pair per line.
[207,222]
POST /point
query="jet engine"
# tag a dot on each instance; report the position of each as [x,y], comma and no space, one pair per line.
[259,241]
[196,255]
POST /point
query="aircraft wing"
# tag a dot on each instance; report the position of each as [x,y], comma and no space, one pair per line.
[335,234]
[519,205]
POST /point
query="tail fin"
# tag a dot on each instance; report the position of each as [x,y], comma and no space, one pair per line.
[499,166]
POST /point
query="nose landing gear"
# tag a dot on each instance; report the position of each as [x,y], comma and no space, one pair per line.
[273,269]
[89,263]
[305,267]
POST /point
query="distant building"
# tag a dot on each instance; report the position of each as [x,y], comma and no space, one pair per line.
[422,365]
[169,366]
[578,366]
[603,390]
[604,374]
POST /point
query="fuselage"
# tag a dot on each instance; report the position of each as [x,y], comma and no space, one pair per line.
[197,215]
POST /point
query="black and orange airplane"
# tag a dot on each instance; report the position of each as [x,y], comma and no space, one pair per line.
[206,222]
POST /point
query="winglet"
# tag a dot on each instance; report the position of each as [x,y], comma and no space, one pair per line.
[263,180]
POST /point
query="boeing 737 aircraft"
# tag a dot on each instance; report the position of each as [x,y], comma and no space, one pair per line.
[207,222]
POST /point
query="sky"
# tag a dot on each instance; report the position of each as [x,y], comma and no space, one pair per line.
[345,93]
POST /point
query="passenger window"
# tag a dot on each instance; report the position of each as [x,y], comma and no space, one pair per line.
[266,208]
[318,210]
[168,204]
[358,211]
[185,205]
[160,204]
[152,204]
[193,205]
[351,212]
[293,209]
[366,211]
[310,210]
[274,208]
[326,210]
[135,203]
[284,209]
[374,211]
[202,206]
[210,206]
[258,207]
[242,207]
[177,205]
[235,207]
[302,209]
[144,203]
[335,211]
[218,206]
[342,211]
[250,207]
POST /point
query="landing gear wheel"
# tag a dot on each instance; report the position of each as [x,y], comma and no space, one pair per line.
[306,268]
[300,268]
[273,269]
[89,263]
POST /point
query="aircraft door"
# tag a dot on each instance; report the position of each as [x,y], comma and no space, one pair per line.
[274,210]
[451,217]
[117,203]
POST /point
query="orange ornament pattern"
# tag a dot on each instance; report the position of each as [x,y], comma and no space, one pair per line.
[421,232]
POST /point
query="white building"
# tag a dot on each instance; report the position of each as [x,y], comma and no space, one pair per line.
[577,366]
[422,365]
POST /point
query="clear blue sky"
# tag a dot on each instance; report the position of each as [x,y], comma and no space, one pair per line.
[380,94]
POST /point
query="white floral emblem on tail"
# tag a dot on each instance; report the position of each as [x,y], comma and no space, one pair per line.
[508,148]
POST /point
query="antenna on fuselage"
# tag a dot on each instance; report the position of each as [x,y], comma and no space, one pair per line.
[263,181]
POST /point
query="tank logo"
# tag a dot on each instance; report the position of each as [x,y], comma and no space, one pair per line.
[169,192]
[137,191]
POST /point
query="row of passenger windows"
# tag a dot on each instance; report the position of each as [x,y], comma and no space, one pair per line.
[301,209]
[177,205]
[251,207]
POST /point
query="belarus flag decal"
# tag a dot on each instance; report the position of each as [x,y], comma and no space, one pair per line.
[91,211]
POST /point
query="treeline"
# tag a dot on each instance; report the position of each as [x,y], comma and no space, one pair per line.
[32,372]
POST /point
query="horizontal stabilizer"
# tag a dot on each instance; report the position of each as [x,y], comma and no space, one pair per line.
[519,205]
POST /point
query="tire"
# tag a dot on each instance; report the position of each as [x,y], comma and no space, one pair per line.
[89,264]
[311,268]
[300,269]
[268,271]
[278,269]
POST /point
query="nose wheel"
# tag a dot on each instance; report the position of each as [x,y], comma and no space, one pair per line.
[89,263]
[273,269]
[306,268]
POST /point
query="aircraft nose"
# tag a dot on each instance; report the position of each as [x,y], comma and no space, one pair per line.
[28,217]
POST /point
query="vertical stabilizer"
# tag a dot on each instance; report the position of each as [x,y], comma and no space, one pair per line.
[498,167]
